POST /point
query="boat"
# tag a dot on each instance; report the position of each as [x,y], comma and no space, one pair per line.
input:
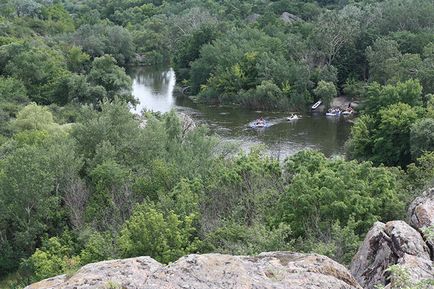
[259,124]
[334,112]
[316,105]
[293,117]
[348,111]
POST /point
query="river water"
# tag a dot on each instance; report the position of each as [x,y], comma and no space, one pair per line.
[153,87]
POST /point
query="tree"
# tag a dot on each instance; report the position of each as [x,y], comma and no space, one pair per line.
[321,192]
[59,20]
[238,239]
[31,209]
[385,138]
[360,144]
[420,174]
[12,91]
[107,74]
[384,58]
[100,39]
[422,137]
[189,47]
[326,91]
[427,69]
[379,97]
[163,237]
[113,131]
[98,247]
[392,142]
[188,22]
[34,117]
[13,95]
[111,202]
[29,8]
[77,60]
[54,257]
[42,71]
[405,15]
[336,29]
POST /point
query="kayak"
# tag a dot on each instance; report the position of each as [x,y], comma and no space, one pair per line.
[257,124]
[316,105]
[293,117]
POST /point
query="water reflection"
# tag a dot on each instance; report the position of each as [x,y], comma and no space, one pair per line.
[154,89]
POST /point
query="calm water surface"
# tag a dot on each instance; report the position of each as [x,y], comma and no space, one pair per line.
[153,87]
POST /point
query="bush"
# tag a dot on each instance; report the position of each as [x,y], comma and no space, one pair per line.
[322,191]
[326,91]
[238,239]
[56,256]
[163,237]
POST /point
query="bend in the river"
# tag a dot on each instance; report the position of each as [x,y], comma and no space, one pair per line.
[153,87]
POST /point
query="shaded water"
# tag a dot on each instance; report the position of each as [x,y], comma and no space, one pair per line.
[153,87]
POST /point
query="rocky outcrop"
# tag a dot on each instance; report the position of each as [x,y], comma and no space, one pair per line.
[397,242]
[125,273]
[253,18]
[278,270]
[421,210]
[289,18]
[421,215]
[187,122]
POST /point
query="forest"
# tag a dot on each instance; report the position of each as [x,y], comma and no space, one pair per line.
[82,179]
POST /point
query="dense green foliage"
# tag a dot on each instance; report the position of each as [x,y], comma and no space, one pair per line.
[82,179]
[107,188]
[259,54]
[395,127]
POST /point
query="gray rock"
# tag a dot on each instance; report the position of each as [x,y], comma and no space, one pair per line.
[373,257]
[278,270]
[419,268]
[421,210]
[289,18]
[126,273]
[421,215]
[253,18]
[187,122]
[389,244]
[406,240]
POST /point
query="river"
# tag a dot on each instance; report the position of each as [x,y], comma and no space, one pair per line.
[153,87]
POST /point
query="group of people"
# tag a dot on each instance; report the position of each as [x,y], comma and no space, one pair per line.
[260,121]
[349,109]
[338,110]
[334,110]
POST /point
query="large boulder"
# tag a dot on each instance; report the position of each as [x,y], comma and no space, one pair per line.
[278,270]
[268,270]
[289,18]
[421,215]
[389,244]
[421,210]
[125,273]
